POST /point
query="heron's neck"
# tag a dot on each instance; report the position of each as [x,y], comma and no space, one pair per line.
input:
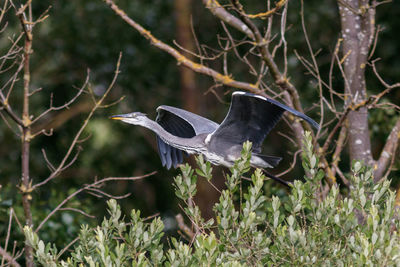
[170,139]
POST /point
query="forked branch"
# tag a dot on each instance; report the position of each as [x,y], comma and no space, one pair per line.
[181,59]
[98,104]
[219,11]
[11,261]
[93,185]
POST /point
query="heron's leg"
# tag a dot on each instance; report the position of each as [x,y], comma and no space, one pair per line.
[279,180]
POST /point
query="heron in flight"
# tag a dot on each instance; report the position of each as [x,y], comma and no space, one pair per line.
[251,117]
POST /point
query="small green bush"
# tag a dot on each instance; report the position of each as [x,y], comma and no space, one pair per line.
[311,228]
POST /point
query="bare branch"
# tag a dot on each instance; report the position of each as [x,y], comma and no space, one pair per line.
[44,132]
[12,53]
[78,211]
[292,165]
[17,220]
[8,258]
[378,30]
[56,120]
[67,104]
[183,227]
[315,65]
[74,158]
[388,151]
[4,10]
[25,120]
[332,133]
[236,52]
[98,104]
[382,81]
[87,187]
[67,247]
[7,108]
[3,116]
[280,80]
[225,79]
[283,39]
[266,14]
[37,90]
[336,155]
[8,233]
[109,195]
[217,10]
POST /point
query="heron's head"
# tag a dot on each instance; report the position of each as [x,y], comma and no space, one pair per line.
[136,118]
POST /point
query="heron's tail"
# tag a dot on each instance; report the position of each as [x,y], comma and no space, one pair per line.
[271,160]
[279,180]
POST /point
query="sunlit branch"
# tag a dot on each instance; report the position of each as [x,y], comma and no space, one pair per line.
[181,59]
[268,13]
[217,10]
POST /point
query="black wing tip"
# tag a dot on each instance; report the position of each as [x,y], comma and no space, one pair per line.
[310,121]
[314,124]
[279,180]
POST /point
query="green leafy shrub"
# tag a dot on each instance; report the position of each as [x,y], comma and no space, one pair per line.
[313,227]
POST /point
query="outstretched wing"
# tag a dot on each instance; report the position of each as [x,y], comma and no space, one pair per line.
[251,117]
[180,123]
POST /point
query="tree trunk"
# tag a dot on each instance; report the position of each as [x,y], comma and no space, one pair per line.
[190,96]
[206,196]
[357,21]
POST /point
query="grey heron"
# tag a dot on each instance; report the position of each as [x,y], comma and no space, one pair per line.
[250,117]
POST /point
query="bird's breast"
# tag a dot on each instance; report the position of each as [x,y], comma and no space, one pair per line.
[216,159]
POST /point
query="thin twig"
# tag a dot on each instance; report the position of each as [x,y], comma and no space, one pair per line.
[63,162]
[92,185]
[4,254]
[268,13]
[8,233]
[67,104]
[78,211]
[227,80]
[315,65]
[293,164]
[333,132]
[109,195]
[183,227]
[67,247]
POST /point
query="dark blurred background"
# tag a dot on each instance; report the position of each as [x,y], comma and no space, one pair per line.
[81,35]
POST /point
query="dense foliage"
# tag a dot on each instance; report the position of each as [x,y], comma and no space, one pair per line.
[359,229]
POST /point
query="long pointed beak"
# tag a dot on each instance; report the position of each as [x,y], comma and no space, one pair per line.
[119,117]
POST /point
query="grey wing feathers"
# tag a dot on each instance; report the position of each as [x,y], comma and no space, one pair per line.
[199,124]
[180,123]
